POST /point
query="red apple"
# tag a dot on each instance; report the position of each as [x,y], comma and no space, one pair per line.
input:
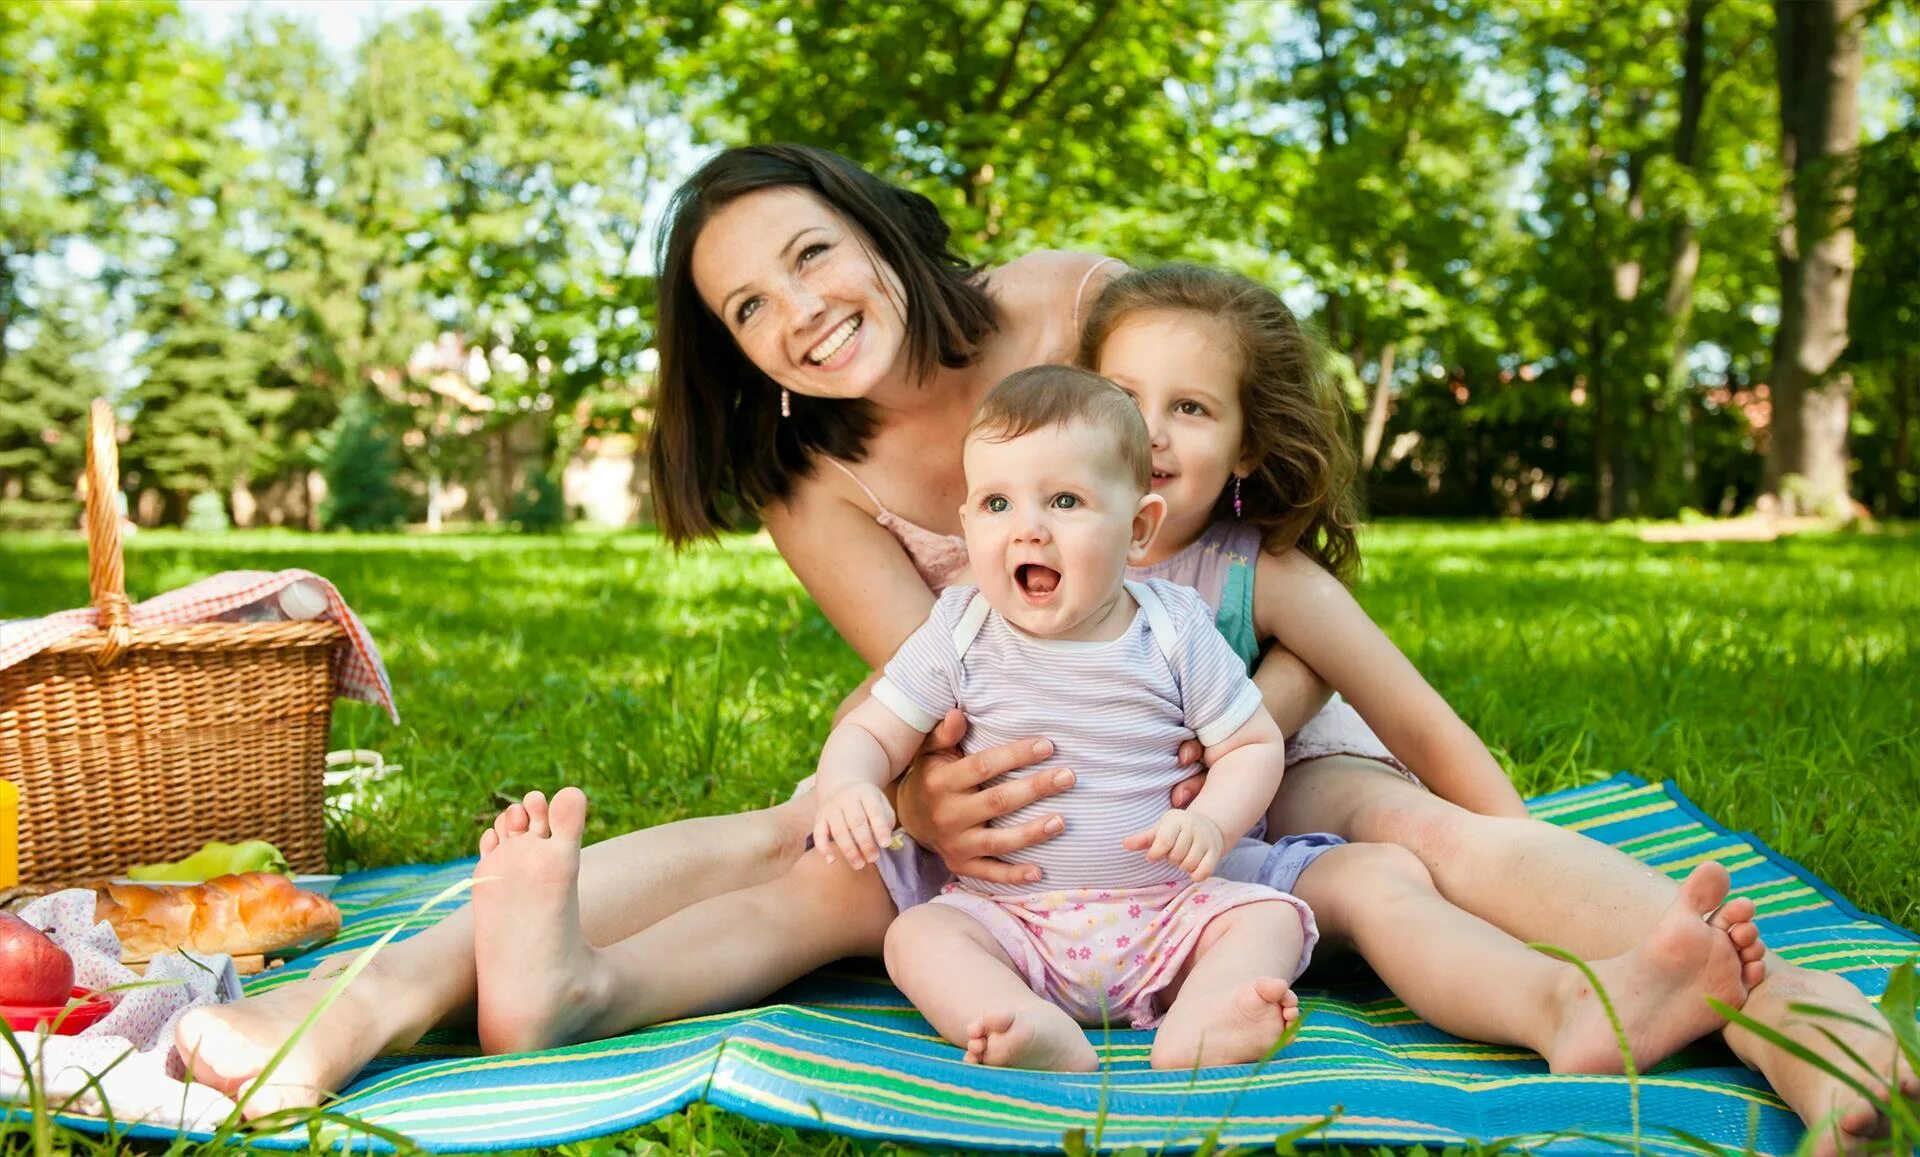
[33,969]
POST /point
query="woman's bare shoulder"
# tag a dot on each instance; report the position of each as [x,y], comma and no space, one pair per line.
[1047,294]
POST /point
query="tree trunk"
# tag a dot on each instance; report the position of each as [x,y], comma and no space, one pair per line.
[1376,429]
[1903,384]
[1818,44]
[1684,264]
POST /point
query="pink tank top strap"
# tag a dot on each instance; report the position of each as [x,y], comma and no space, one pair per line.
[879,506]
[1081,292]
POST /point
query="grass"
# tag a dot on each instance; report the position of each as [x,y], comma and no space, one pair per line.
[1776,682]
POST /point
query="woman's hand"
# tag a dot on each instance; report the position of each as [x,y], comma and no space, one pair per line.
[943,806]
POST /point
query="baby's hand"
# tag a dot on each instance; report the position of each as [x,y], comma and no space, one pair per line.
[855,822]
[1188,841]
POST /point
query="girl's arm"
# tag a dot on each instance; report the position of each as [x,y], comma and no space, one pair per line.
[1292,692]
[1317,618]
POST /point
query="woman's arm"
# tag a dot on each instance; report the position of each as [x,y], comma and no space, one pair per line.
[1317,618]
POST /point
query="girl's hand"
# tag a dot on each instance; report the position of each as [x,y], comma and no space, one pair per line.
[1187,840]
[856,822]
[944,807]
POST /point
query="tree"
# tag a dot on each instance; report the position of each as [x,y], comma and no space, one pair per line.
[45,388]
[1818,49]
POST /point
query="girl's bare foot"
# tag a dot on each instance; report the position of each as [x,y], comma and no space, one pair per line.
[1235,1027]
[540,982]
[1700,948]
[1039,1037]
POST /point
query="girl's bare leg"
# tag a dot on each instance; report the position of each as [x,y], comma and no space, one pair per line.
[626,883]
[1380,899]
[1543,883]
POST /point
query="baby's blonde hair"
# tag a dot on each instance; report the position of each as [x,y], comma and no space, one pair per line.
[1045,397]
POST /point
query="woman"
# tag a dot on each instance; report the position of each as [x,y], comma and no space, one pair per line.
[822,347]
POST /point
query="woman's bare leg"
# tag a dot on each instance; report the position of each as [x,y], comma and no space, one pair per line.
[1546,884]
[626,883]
[542,983]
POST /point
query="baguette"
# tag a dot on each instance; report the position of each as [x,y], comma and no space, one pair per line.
[245,915]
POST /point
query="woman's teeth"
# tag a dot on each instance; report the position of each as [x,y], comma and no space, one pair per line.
[830,345]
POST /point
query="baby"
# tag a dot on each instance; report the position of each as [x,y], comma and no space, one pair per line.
[1131,927]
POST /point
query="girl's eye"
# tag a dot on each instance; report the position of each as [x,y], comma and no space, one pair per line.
[1065,501]
[747,309]
[1190,408]
[995,504]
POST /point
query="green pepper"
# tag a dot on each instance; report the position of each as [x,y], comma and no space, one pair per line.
[217,859]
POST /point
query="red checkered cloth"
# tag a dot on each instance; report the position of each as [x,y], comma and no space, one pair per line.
[357,669]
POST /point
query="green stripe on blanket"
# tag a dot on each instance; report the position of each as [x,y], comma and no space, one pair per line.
[842,1051]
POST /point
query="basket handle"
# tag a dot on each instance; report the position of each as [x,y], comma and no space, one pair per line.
[106,571]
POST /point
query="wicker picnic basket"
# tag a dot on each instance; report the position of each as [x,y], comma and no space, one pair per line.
[135,745]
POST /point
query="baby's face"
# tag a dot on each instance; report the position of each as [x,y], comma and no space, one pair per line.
[1052,521]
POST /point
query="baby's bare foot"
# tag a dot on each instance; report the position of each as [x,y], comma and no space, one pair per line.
[1041,1037]
[540,982]
[1660,987]
[1237,1026]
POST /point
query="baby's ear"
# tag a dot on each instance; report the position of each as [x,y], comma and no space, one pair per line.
[1147,518]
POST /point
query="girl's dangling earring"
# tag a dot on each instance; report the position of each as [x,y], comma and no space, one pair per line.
[1236,496]
[786,404]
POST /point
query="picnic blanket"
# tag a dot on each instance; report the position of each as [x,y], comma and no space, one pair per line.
[843,1051]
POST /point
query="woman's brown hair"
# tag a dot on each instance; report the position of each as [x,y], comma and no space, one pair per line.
[719,443]
[1301,489]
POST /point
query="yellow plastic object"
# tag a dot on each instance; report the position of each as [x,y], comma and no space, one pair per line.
[9,833]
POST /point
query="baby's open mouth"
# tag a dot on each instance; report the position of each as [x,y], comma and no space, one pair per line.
[1035,579]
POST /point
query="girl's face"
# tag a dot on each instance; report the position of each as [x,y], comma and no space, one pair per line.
[803,296]
[1182,370]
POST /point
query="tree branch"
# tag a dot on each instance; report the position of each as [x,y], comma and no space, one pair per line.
[1066,61]
[1000,83]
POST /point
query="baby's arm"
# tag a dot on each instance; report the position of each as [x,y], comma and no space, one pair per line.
[861,756]
[1244,771]
[1308,610]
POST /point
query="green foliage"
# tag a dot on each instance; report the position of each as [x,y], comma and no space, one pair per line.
[206,514]
[45,389]
[360,465]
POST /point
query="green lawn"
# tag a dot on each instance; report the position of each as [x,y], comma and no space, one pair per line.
[1779,683]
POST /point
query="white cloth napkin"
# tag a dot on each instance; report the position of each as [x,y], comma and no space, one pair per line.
[146,1085]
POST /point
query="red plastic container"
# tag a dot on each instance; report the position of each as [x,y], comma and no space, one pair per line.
[93,1005]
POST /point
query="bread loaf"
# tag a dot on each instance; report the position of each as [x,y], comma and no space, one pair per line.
[245,915]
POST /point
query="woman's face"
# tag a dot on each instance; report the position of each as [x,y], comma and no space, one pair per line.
[798,288]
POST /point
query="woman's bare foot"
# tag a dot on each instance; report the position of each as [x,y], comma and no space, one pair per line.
[540,982]
[1235,1027]
[227,1046]
[1701,948]
[1040,1037]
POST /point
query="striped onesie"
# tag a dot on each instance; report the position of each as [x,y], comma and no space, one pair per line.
[1111,929]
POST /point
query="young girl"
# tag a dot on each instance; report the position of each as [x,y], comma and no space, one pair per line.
[1246,444]
[1250,452]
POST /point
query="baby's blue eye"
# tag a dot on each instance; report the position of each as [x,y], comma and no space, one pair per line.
[996,504]
[1065,501]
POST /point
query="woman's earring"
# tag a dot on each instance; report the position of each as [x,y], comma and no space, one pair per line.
[1236,496]
[786,404]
